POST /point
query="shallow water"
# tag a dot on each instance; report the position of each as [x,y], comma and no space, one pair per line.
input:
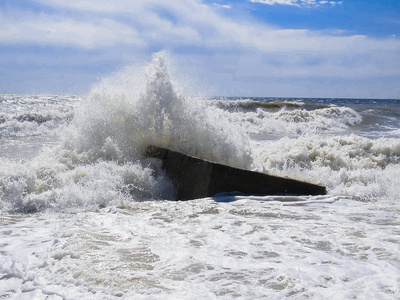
[207,249]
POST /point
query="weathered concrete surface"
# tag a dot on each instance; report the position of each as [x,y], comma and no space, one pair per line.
[196,178]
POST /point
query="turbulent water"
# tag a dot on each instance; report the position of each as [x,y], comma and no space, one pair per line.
[83,214]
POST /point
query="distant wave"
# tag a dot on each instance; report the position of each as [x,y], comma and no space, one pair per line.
[288,118]
[251,104]
[30,115]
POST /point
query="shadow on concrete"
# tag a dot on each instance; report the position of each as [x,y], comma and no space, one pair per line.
[195,178]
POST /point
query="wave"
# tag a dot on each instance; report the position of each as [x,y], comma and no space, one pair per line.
[60,180]
[100,162]
[347,165]
[251,104]
[34,117]
[135,114]
[31,124]
[297,121]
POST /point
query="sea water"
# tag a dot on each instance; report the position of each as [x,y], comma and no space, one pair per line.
[83,214]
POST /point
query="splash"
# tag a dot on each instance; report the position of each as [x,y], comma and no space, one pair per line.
[138,108]
[289,118]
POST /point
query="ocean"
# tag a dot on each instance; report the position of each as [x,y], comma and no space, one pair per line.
[85,215]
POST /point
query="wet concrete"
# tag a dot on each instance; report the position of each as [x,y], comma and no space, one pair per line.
[195,178]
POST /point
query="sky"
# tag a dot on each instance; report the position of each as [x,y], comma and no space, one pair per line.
[264,48]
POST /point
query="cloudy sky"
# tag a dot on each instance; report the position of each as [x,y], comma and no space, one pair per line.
[283,48]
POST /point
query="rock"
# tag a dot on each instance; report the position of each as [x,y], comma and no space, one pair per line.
[195,178]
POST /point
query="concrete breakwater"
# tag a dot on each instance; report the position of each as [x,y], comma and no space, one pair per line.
[195,178]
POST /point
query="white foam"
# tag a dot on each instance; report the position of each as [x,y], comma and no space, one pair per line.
[33,115]
[285,200]
[61,179]
[298,121]
[355,166]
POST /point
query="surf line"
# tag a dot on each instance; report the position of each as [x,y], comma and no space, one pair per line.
[195,178]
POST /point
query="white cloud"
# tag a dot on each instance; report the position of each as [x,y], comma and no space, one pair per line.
[120,6]
[61,31]
[299,3]
[146,17]
[222,5]
[228,49]
[175,23]
[281,2]
[192,23]
[172,24]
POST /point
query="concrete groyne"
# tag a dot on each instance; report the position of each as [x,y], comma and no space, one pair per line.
[195,178]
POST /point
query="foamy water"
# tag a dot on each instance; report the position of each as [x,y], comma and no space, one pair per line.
[85,215]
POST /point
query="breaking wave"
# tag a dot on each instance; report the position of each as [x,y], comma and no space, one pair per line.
[347,165]
[294,119]
[100,159]
[42,115]
[134,117]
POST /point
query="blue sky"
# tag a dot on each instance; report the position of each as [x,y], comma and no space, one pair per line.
[283,48]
